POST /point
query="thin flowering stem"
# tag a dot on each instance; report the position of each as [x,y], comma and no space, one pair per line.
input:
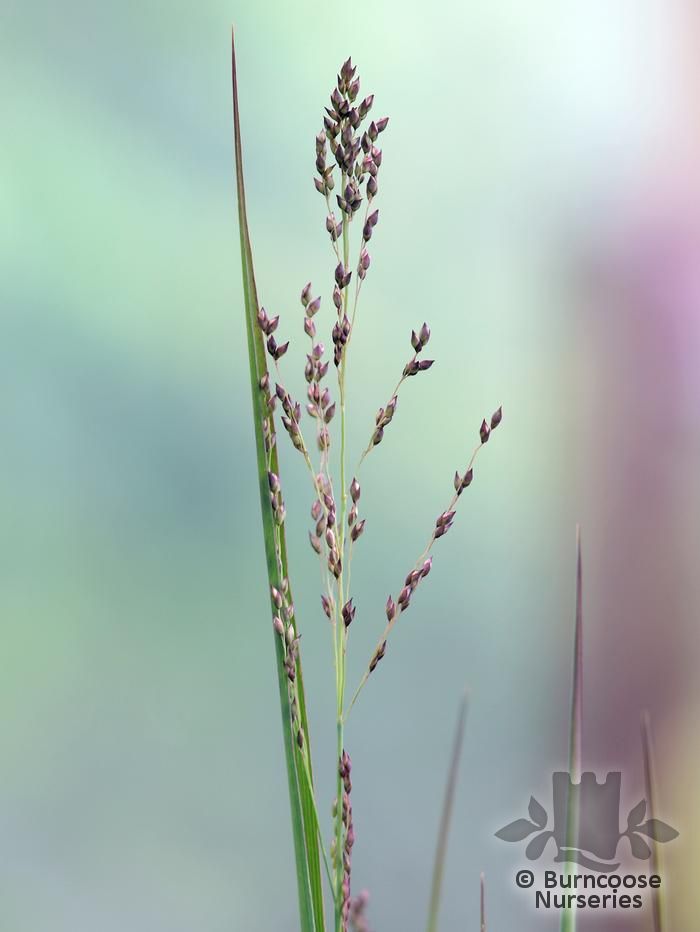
[334,240]
[385,415]
[419,567]
[341,633]
[359,280]
[372,443]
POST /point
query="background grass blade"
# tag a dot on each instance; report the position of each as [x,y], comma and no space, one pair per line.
[482,904]
[304,829]
[657,902]
[446,818]
[568,916]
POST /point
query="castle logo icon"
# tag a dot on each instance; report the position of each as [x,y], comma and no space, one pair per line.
[593,841]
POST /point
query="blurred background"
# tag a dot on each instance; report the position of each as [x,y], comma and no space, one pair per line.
[539,203]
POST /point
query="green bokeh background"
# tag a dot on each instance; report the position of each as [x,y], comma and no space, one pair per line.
[141,775]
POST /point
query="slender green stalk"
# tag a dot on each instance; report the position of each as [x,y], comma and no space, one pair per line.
[302,804]
[568,916]
[342,595]
[446,819]
[657,901]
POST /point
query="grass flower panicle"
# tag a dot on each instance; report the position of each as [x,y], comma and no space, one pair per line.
[347,168]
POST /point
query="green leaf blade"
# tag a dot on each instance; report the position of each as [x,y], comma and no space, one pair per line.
[304,828]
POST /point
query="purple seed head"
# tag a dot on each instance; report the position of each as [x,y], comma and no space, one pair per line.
[379,653]
[336,99]
[366,105]
[278,625]
[484,432]
[357,530]
[413,578]
[348,613]
[496,418]
[390,609]
[355,490]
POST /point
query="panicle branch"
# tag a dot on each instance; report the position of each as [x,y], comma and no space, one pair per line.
[413,367]
[422,567]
